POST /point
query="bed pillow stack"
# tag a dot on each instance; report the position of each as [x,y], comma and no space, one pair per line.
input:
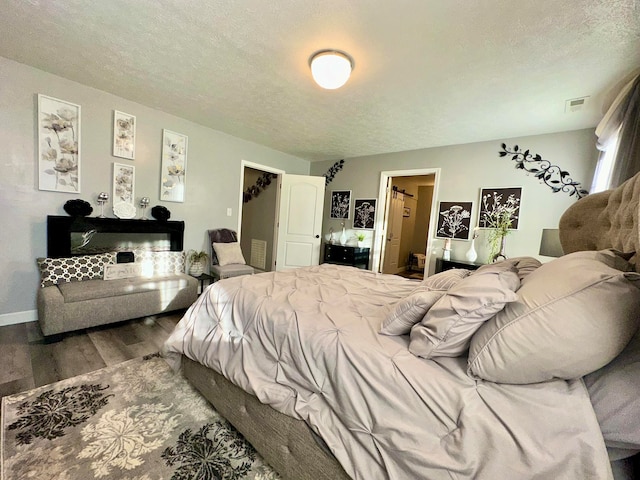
[411,309]
[573,316]
[448,326]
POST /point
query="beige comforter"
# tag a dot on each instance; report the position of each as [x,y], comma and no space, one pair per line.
[306,342]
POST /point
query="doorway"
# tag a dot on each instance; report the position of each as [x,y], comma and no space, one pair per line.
[280,218]
[406,226]
[257,216]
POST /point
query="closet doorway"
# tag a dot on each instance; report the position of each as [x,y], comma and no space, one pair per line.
[406,226]
[257,217]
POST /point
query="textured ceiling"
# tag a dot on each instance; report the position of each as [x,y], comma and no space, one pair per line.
[428,72]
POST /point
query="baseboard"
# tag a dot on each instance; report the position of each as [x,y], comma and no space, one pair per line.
[18,317]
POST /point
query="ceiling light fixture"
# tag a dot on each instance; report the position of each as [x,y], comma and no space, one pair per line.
[331,68]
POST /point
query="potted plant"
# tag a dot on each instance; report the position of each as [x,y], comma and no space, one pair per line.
[196,262]
[360,237]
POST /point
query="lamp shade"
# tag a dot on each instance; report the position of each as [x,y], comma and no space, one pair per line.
[550,243]
[331,68]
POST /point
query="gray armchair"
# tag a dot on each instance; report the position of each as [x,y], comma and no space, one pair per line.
[224,235]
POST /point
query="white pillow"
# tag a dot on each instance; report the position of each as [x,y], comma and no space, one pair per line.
[229,253]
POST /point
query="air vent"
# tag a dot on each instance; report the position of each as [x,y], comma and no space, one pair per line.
[258,253]
[575,104]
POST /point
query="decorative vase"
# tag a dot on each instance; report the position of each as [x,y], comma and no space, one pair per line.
[196,268]
[343,237]
[471,254]
[446,251]
[360,243]
[501,255]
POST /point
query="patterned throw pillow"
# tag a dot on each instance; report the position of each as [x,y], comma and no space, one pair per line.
[54,271]
[160,263]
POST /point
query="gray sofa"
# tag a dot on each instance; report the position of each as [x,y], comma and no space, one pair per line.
[88,303]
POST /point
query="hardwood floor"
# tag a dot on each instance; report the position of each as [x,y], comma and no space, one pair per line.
[27,361]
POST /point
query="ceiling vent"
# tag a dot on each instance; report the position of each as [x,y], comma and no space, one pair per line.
[575,104]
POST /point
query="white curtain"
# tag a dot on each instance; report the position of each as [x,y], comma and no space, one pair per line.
[619,139]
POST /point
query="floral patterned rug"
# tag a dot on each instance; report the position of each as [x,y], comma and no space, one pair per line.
[134,421]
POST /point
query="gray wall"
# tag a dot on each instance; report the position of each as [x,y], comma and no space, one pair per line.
[467,168]
[213,173]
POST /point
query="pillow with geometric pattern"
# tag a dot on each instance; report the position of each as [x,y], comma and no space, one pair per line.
[54,271]
[160,263]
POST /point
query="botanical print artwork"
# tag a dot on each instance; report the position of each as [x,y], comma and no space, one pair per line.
[496,204]
[58,145]
[138,420]
[340,204]
[124,135]
[174,166]
[454,220]
[123,183]
[364,213]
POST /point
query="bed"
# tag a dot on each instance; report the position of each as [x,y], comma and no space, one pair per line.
[506,372]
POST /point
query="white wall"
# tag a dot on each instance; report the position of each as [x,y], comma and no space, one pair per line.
[213,173]
[467,168]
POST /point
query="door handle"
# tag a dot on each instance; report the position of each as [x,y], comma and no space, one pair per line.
[317,236]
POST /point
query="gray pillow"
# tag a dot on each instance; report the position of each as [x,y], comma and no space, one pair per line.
[449,325]
[411,309]
[615,396]
[573,316]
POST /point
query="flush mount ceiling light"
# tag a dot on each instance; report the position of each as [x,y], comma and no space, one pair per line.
[331,68]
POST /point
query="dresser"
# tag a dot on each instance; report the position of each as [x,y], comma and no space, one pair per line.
[442,265]
[346,255]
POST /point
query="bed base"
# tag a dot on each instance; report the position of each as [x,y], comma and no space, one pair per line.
[286,443]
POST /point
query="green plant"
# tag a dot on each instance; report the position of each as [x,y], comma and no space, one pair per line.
[194,256]
[500,225]
[360,237]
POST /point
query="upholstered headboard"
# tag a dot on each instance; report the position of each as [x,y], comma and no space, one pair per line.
[608,219]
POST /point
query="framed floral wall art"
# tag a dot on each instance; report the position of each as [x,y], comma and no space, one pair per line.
[496,203]
[123,190]
[454,220]
[174,166]
[124,135]
[364,213]
[58,145]
[340,204]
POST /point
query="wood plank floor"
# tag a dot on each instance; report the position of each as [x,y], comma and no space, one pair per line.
[27,361]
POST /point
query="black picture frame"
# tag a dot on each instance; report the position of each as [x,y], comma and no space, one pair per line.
[364,213]
[492,199]
[340,204]
[454,220]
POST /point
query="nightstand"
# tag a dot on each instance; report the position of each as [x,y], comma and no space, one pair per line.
[346,255]
[202,278]
[442,265]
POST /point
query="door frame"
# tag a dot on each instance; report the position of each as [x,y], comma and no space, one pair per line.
[264,168]
[256,166]
[382,220]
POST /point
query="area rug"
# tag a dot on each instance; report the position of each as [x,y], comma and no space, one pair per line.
[134,421]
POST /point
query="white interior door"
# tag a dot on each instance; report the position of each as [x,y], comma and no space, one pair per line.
[394,234]
[299,221]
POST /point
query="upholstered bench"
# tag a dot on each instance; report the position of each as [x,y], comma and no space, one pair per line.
[74,296]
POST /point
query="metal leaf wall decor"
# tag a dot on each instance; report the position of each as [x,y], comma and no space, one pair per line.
[554,177]
[254,190]
[335,168]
